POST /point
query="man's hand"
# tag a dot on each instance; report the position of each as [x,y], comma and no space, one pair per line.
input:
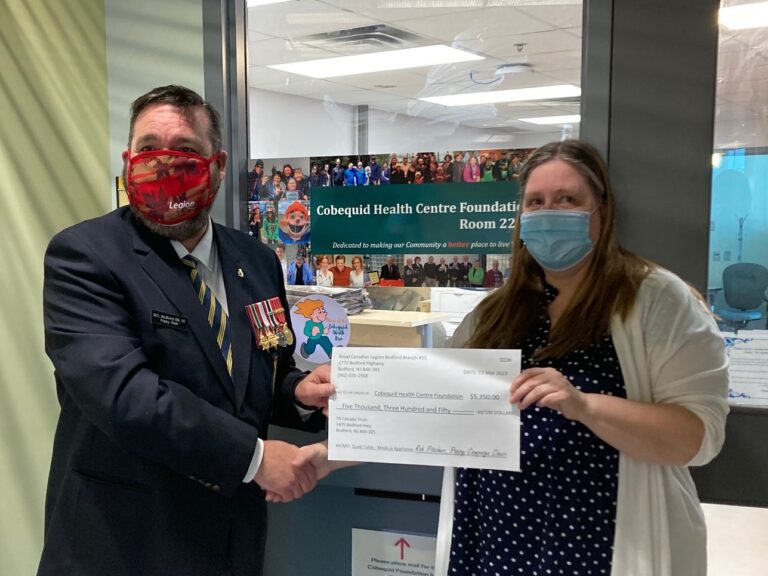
[315,455]
[283,473]
[315,389]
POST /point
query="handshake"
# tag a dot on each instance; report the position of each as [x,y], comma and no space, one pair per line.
[287,472]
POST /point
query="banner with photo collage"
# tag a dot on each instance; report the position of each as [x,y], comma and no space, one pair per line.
[396,219]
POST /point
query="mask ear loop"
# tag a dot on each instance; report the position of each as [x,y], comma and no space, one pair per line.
[127,161]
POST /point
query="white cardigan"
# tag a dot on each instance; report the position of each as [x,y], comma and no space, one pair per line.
[670,351]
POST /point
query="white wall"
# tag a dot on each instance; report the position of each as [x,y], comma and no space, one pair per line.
[400,133]
[287,126]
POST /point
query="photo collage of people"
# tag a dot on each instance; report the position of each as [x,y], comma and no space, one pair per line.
[279,195]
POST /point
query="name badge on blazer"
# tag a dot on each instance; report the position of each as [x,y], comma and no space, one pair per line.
[168,320]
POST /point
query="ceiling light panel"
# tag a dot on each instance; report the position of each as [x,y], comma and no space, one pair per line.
[522,3]
[544,120]
[255,3]
[745,16]
[378,62]
[409,4]
[516,95]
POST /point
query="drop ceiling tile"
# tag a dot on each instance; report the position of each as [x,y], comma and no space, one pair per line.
[395,11]
[366,97]
[752,85]
[474,25]
[281,51]
[725,111]
[256,36]
[559,16]
[549,61]
[530,44]
[298,19]
[411,77]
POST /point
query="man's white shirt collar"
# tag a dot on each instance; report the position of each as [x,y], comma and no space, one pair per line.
[204,251]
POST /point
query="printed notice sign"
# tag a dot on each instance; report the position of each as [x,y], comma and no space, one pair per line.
[435,407]
[437,218]
[748,367]
[381,552]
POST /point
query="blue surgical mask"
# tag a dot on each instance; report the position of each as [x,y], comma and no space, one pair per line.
[557,239]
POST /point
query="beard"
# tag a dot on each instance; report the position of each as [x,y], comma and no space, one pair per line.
[183,230]
[180,232]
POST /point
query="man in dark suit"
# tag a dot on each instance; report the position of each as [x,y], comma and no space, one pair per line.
[390,271]
[161,460]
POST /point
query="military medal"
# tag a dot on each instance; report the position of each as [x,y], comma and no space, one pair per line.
[267,320]
[288,334]
[258,326]
[282,324]
[274,321]
[269,324]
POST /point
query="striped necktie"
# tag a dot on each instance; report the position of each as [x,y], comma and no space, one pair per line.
[217,317]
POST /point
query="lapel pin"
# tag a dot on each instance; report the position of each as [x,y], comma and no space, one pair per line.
[240,273]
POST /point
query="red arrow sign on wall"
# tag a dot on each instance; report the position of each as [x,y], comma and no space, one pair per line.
[402,543]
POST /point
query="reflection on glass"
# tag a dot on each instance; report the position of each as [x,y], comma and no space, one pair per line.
[739,223]
[351,93]
[523,49]
[738,251]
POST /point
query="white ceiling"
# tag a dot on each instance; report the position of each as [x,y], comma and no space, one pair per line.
[548,36]
[741,114]
[544,33]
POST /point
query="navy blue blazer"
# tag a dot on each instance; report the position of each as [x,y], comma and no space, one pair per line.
[154,436]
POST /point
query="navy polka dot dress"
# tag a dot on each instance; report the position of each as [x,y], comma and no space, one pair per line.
[557,516]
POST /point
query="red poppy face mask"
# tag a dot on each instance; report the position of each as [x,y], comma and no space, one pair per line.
[168,186]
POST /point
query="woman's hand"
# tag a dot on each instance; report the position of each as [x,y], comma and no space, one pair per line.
[547,388]
[657,433]
[316,455]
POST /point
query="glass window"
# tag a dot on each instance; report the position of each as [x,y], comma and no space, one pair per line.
[738,255]
[362,94]
[485,46]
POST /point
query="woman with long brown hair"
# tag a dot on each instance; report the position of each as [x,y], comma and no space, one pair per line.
[623,386]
